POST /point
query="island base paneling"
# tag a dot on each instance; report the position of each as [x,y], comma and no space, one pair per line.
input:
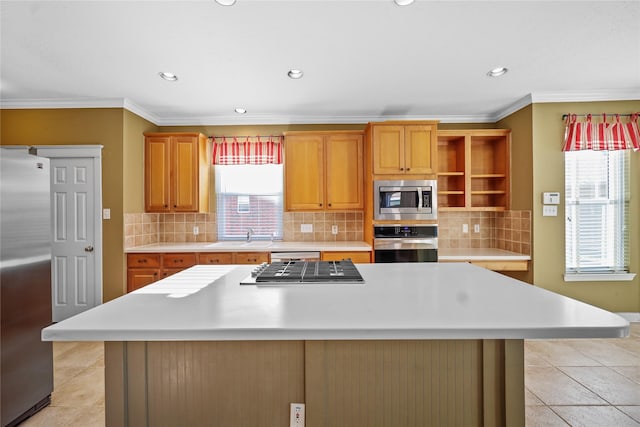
[345,382]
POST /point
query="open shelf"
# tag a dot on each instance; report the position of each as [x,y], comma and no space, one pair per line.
[473,169]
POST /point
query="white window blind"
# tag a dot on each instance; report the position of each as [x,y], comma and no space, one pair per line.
[597,211]
[249,196]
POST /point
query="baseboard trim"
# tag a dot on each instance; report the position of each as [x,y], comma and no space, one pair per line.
[630,316]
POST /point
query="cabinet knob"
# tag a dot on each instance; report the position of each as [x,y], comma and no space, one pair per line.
[155,274]
[329,204]
[175,206]
[401,169]
[166,206]
[320,204]
[408,169]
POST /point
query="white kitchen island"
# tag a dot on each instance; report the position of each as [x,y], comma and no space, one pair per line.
[418,344]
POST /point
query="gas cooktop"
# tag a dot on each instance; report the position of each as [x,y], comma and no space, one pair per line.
[304,272]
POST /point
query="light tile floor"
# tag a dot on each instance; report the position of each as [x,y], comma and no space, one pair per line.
[78,387]
[568,382]
[583,382]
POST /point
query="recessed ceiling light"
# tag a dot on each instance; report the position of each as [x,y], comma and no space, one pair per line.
[240,110]
[403,2]
[170,77]
[295,74]
[226,2]
[497,72]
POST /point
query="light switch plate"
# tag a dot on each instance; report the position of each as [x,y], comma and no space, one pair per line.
[552,198]
[550,210]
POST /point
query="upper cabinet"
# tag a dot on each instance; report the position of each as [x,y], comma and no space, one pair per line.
[323,170]
[176,172]
[400,149]
[474,168]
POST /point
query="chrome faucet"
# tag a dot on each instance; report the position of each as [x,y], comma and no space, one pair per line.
[249,233]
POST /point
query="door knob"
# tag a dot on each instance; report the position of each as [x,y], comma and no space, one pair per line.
[88,249]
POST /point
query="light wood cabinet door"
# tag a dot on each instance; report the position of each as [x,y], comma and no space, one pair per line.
[176,172]
[388,150]
[140,277]
[156,173]
[184,185]
[419,152]
[344,172]
[304,172]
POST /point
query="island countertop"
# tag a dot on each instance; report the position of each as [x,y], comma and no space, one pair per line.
[397,301]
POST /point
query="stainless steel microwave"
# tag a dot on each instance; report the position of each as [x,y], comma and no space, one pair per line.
[405,200]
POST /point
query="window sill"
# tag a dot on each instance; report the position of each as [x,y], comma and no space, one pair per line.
[599,277]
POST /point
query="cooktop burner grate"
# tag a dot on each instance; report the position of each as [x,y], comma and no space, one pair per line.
[308,272]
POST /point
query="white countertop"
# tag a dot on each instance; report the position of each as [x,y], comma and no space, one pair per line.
[254,246]
[480,254]
[398,301]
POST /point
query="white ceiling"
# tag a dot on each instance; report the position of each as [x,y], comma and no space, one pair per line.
[362,60]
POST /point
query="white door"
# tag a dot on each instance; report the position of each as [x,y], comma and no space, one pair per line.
[76,232]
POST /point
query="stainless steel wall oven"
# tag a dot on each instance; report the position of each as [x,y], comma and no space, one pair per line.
[403,243]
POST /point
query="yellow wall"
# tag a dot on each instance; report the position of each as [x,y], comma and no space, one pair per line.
[548,232]
[521,125]
[133,173]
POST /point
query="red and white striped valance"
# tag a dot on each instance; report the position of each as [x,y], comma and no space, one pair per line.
[247,150]
[587,135]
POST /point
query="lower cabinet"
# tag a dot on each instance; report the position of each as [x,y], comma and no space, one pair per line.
[143,269]
[499,265]
[359,257]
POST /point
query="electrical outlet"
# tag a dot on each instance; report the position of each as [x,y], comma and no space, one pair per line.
[297,415]
[334,229]
[476,228]
[106,213]
[196,230]
[465,228]
[306,228]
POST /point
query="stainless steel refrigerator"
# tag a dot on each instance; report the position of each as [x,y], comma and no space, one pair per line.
[25,285]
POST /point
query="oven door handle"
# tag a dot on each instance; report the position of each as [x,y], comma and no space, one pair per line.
[382,244]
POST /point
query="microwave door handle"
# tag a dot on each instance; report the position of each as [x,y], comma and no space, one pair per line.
[419,189]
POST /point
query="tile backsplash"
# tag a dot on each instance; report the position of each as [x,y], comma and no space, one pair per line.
[349,226]
[510,230]
[148,228]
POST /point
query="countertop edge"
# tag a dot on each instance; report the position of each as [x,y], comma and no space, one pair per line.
[276,247]
[343,334]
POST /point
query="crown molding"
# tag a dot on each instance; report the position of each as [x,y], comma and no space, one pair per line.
[62,103]
[589,96]
[537,97]
[510,109]
[282,120]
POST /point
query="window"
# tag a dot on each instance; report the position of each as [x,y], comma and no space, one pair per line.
[597,215]
[249,196]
